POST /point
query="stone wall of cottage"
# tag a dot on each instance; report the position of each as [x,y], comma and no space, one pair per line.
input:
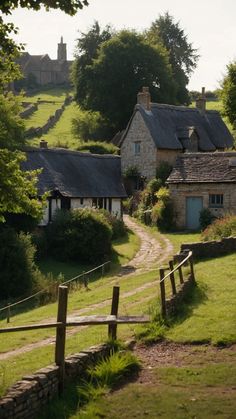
[146,160]
[179,193]
[150,157]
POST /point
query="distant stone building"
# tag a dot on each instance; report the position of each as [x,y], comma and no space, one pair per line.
[43,70]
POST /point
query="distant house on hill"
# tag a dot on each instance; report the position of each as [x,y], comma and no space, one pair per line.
[157,133]
[202,180]
[43,69]
[77,180]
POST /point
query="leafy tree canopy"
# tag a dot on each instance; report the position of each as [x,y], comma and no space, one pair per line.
[228,93]
[69,6]
[124,64]
[182,56]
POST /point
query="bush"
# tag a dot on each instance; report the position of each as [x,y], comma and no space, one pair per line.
[98,147]
[117,225]
[89,125]
[83,235]
[163,171]
[162,212]
[220,228]
[206,218]
[19,274]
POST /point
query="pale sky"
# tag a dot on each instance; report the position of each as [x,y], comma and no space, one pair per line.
[209,25]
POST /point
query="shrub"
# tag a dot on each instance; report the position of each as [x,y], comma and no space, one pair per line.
[222,227]
[82,235]
[117,225]
[89,125]
[98,147]
[162,212]
[19,274]
[206,218]
[163,171]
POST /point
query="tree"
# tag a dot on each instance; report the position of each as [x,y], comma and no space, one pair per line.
[228,93]
[18,192]
[124,64]
[87,50]
[182,56]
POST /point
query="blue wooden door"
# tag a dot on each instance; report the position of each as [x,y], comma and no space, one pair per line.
[193,207]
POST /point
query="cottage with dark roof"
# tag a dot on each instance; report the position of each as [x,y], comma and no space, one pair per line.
[77,180]
[202,180]
[157,133]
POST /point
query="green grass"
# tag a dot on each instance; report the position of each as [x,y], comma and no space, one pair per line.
[40,117]
[179,238]
[61,135]
[182,393]
[56,94]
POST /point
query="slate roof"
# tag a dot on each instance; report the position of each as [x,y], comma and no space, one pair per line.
[166,122]
[204,168]
[76,174]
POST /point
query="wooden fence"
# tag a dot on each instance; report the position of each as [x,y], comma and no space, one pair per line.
[83,277]
[63,322]
[186,258]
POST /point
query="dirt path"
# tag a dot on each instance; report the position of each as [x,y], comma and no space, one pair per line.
[171,354]
[151,253]
[150,256]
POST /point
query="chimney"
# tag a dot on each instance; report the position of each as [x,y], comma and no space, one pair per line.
[43,144]
[144,98]
[201,101]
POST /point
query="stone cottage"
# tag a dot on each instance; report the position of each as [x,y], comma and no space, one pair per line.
[76,180]
[44,69]
[157,133]
[202,180]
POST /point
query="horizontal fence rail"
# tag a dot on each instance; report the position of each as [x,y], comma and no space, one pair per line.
[63,322]
[83,275]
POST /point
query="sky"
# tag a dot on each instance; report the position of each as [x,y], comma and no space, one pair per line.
[209,25]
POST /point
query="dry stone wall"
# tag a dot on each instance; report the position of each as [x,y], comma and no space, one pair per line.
[25,398]
[211,249]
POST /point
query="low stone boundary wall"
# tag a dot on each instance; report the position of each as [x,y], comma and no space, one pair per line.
[31,108]
[52,120]
[174,302]
[211,249]
[25,398]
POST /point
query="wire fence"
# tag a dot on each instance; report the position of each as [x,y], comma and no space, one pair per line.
[50,293]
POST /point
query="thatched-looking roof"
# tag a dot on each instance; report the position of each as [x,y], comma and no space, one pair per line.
[204,168]
[170,126]
[76,174]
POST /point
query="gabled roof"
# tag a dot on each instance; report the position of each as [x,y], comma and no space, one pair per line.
[76,174]
[166,122]
[215,167]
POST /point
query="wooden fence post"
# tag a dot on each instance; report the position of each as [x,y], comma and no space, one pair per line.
[8,312]
[191,268]
[61,334]
[163,292]
[112,328]
[172,277]
[181,279]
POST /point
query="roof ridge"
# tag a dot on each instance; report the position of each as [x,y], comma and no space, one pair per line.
[68,151]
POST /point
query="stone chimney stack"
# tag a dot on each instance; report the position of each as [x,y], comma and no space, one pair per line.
[61,51]
[201,101]
[144,98]
[43,144]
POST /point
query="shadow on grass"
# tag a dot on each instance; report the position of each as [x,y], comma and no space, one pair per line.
[195,296]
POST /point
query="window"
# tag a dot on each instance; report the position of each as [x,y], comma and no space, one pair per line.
[216,200]
[137,148]
[81,201]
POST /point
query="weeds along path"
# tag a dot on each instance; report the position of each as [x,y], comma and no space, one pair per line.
[150,255]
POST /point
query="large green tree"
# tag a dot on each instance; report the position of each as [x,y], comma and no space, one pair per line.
[124,64]
[87,48]
[182,56]
[18,190]
[228,93]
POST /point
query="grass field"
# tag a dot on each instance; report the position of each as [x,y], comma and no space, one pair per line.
[56,95]
[40,117]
